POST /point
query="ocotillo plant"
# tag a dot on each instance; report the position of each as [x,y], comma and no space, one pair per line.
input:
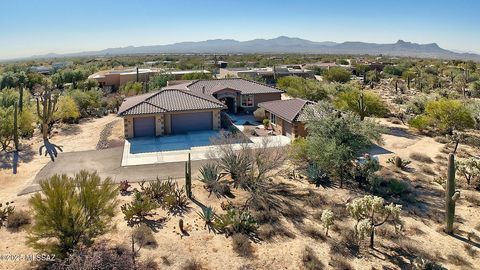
[188,177]
[451,195]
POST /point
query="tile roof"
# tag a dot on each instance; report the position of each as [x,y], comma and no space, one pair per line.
[168,100]
[242,85]
[289,109]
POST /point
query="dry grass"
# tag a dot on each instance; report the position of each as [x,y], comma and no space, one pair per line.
[458,260]
[427,170]
[340,263]
[310,261]
[270,231]
[420,157]
[193,264]
[473,199]
[471,250]
[314,232]
[242,245]
[17,220]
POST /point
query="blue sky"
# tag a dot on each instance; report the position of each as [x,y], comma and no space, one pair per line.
[30,27]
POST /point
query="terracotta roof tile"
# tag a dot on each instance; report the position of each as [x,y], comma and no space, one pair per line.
[289,109]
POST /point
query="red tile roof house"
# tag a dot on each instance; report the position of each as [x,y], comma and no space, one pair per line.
[287,116]
[193,106]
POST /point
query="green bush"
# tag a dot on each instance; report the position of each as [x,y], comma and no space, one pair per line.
[236,221]
[139,208]
[71,210]
[349,101]
[337,74]
[67,110]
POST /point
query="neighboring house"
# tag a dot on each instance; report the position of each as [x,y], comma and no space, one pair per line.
[192,106]
[287,116]
[269,74]
[115,78]
[41,69]
[169,111]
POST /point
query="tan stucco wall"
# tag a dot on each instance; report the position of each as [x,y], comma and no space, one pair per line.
[128,126]
[258,98]
[159,130]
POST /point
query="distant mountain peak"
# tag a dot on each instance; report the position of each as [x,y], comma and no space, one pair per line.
[284,44]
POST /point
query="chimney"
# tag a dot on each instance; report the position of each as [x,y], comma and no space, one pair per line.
[203,89]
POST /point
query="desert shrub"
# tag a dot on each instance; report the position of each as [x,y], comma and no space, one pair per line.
[427,170]
[316,175]
[421,157]
[17,220]
[236,221]
[335,140]
[310,261]
[337,74]
[445,116]
[67,110]
[303,88]
[340,263]
[313,232]
[397,187]
[211,176]
[424,264]
[70,211]
[417,105]
[242,245]
[167,194]
[350,100]
[399,162]
[313,199]
[364,171]
[139,208]
[471,250]
[88,102]
[143,237]
[269,231]
[6,209]
[192,264]
[98,255]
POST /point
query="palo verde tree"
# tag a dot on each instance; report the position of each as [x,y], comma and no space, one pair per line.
[371,212]
[71,210]
[363,103]
[336,139]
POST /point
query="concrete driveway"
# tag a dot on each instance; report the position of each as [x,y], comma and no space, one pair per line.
[108,164]
[167,149]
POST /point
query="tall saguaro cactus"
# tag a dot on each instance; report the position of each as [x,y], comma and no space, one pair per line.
[362,108]
[451,195]
[188,177]
[15,127]
[45,111]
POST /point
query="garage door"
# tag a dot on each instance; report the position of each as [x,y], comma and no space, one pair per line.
[187,122]
[144,127]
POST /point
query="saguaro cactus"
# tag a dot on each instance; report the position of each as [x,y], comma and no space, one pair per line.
[451,195]
[188,177]
[15,127]
[362,108]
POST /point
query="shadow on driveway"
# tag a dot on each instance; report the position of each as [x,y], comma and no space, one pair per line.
[107,163]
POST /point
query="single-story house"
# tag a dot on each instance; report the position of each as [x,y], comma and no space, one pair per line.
[192,106]
[287,116]
[239,95]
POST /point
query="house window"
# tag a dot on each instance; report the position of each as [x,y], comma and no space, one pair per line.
[273,119]
[247,100]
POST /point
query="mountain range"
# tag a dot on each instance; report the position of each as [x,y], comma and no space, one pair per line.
[283,44]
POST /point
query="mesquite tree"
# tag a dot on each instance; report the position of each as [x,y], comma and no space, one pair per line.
[46,105]
[371,212]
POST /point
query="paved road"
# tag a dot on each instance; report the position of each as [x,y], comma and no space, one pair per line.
[107,164]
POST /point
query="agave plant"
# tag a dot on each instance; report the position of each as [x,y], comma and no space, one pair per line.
[212,177]
[207,215]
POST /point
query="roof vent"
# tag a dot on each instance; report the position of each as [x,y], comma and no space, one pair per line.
[203,89]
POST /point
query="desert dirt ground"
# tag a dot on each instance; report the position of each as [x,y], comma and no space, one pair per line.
[281,245]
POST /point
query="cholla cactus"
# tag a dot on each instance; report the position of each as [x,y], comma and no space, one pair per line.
[371,212]
[469,168]
[327,219]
